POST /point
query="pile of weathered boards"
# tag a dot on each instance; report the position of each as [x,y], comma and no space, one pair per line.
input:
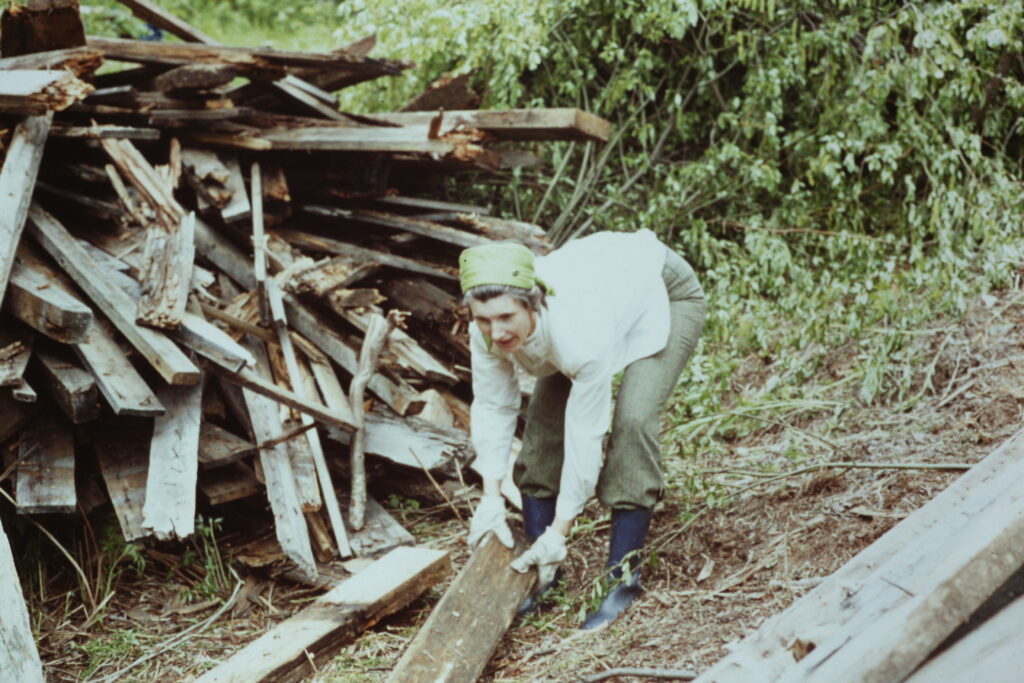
[206,269]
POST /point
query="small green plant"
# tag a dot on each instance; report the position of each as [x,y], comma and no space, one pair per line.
[112,647]
[205,554]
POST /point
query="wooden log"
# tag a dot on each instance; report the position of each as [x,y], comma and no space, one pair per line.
[70,386]
[37,92]
[41,25]
[78,60]
[990,653]
[465,626]
[512,124]
[121,385]
[19,658]
[218,447]
[159,351]
[231,482]
[415,226]
[45,480]
[291,649]
[163,19]
[194,77]
[905,557]
[290,526]
[170,508]
[122,450]
[17,181]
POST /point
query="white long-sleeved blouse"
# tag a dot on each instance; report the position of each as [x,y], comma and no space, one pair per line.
[609,308]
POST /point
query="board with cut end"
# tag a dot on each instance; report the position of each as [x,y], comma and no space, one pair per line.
[170,508]
[121,385]
[45,480]
[70,386]
[33,298]
[218,447]
[230,482]
[290,650]
[122,450]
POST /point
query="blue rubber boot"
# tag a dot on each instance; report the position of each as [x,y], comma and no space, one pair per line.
[629,530]
[538,513]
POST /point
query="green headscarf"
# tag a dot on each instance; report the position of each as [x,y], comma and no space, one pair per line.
[500,263]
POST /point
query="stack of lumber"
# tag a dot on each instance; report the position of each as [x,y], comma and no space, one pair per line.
[214,284]
[925,602]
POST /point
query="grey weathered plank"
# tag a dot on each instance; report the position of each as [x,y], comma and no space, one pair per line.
[218,447]
[70,386]
[45,480]
[19,658]
[512,124]
[155,347]
[121,385]
[36,300]
[170,508]
[122,450]
[17,180]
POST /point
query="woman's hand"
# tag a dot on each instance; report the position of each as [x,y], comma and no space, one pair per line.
[490,516]
[546,553]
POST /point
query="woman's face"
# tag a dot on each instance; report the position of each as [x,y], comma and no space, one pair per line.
[504,319]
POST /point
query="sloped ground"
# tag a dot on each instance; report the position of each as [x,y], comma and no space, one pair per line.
[716,578]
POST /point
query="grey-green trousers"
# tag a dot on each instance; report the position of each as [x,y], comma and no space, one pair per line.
[631,477]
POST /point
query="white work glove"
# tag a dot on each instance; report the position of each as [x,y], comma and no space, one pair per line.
[546,553]
[490,516]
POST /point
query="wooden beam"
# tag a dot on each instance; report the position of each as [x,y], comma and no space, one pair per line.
[289,651]
[159,17]
[218,447]
[436,231]
[101,132]
[170,508]
[348,139]
[15,351]
[45,480]
[290,525]
[121,385]
[211,342]
[252,60]
[17,182]
[78,60]
[231,482]
[895,574]
[465,626]
[44,301]
[991,652]
[512,124]
[70,386]
[122,450]
[37,92]
[19,658]
[159,351]
[413,442]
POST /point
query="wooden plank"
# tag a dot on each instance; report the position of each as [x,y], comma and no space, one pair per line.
[900,618]
[408,353]
[77,60]
[211,342]
[413,442]
[45,480]
[163,19]
[19,658]
[36,298]
[122,450]
[465,626]
[170,508]
[70,386]
[238,208]
[106,131]
[898,558]
[231,482]
[381,532]
[331,246]
[289,651]
[990,653]
[218,447]
[15,351]
[121,385]
[159,351]
[415,226]
[37,92]
[17,181]
[348,139]
[512,124]
[251,60]
[194,77]
[14,415]
[24,392]
[290,525]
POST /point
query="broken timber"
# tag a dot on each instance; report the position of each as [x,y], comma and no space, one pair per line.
[37,92]
[464,628]
[292,648]
[512,124]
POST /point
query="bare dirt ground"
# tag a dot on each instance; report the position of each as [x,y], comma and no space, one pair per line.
[714,581]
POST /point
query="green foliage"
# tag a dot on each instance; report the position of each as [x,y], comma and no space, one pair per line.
[204,552]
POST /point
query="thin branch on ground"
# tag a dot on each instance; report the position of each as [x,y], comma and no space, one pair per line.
[437,486]
[665,674]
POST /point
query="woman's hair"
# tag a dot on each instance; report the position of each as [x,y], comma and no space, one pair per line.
[532,299]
